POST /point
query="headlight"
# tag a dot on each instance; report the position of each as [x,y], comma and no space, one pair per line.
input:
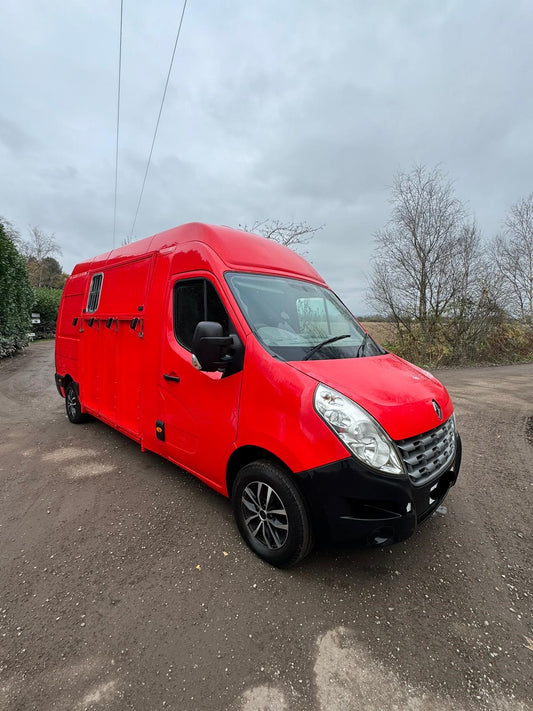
[358,431]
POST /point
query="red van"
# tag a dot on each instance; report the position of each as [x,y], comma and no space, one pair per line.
[229,355]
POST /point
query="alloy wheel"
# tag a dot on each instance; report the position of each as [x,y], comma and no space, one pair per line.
[264,515]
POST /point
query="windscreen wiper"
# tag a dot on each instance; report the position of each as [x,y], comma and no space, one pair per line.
[375,348]
[361,350]
[316,348]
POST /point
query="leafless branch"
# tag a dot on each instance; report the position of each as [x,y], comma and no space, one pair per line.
[290,234]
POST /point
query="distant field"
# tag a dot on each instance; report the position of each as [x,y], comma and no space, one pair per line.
[381,332]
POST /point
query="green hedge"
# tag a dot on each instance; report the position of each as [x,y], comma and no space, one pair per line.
[16,298]
[47,305]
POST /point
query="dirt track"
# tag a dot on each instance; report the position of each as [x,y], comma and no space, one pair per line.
[124,583]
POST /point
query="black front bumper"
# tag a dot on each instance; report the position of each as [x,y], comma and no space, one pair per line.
[349,501]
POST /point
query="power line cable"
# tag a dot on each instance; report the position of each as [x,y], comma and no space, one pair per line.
[158,118]
[118,121]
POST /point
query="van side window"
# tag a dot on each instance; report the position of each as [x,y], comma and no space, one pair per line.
[196,300]
[94,292]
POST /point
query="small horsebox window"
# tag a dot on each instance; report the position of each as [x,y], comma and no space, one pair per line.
[94,292]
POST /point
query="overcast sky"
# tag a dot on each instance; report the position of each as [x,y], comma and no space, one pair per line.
[293,110]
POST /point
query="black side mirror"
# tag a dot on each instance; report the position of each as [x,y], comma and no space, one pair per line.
[210,346]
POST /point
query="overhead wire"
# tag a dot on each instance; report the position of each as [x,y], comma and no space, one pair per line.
[158,119]
[118,121]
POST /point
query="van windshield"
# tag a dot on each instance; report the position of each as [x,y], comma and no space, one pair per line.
[297,320]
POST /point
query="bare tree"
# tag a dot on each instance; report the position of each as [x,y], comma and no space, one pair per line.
[36,250]
[476,307]
[415,252]
[290,234]
[513,257]
[430,273]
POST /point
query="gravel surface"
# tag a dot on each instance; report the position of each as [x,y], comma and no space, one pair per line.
[125,585]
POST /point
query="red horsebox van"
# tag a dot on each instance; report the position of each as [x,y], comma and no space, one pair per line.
[229,355]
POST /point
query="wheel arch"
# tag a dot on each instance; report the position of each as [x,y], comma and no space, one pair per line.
[245,455]
[62,381]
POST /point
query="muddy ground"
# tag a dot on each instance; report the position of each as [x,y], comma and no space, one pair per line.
[124,583]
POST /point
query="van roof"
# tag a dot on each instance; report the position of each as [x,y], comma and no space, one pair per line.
[238,250]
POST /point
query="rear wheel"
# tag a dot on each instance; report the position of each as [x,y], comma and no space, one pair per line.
[73,405]
[271,514]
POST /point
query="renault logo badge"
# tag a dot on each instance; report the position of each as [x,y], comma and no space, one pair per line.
[437,409]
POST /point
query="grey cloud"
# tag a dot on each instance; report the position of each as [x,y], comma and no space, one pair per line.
[15,139]
[284,110]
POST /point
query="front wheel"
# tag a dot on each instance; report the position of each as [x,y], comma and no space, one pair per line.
[271,514]
[73,405]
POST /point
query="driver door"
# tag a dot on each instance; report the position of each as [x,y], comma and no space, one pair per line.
[200,410]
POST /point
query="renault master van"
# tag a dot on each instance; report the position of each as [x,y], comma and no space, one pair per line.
[229,355]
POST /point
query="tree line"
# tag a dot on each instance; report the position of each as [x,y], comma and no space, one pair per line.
[450,296]
[31,280]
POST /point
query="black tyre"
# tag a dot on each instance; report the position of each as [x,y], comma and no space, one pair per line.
[271,514]
[73,405]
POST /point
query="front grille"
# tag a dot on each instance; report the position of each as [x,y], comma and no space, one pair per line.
[429,454]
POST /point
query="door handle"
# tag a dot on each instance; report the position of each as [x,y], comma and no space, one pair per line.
[173,378]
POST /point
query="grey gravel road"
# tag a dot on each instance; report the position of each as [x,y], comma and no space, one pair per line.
[124,583]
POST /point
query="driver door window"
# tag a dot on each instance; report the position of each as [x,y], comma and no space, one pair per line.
[196,300]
